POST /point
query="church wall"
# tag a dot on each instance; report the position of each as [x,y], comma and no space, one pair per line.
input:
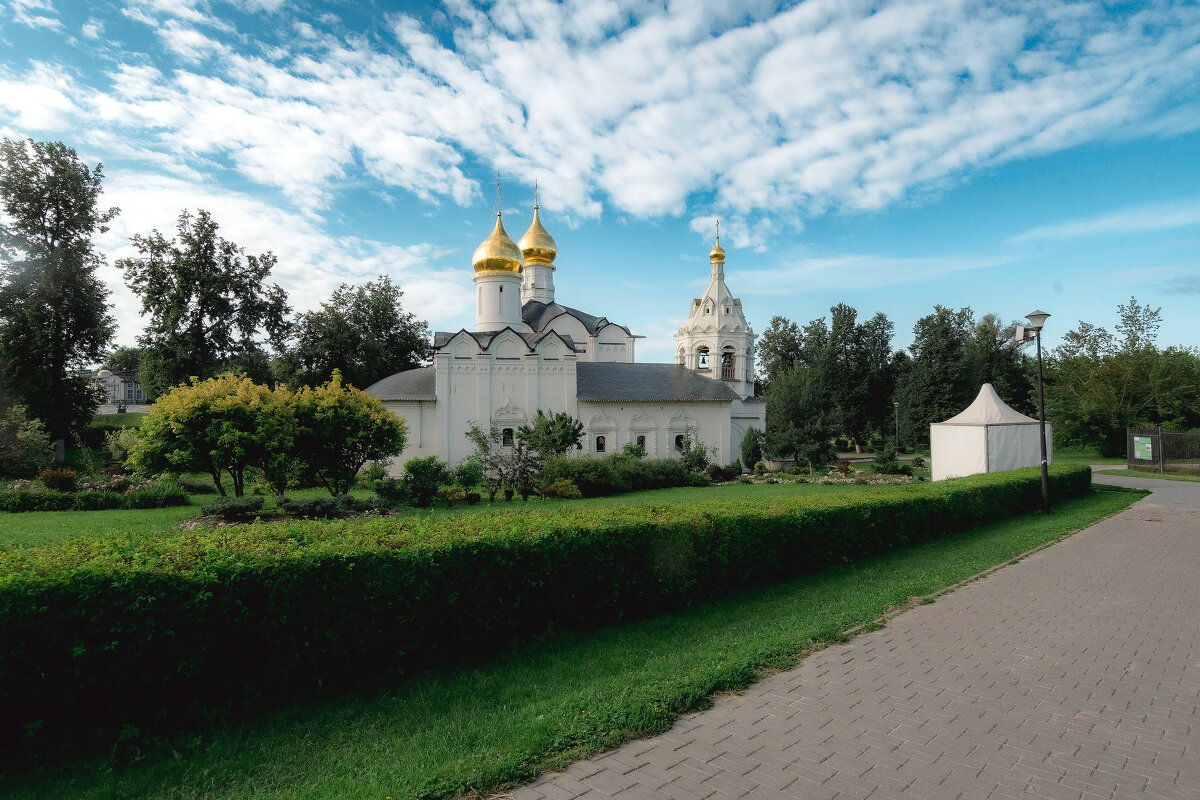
[421,421]
[503,390]
[620,423]
[612,345]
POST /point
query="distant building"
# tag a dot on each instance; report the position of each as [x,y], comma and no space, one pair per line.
[120,387]
[528,352]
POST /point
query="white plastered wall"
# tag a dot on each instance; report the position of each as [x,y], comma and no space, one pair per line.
[621,423]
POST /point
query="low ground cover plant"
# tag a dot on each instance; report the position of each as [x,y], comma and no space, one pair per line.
[92,494]
[169,629]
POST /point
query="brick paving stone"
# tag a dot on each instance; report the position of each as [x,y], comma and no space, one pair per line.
[1065,676]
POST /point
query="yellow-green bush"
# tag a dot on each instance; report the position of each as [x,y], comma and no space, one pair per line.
[172,628]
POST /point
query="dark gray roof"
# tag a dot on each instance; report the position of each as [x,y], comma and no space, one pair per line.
[412,384]
[484,338]
[538,315]
[646,383]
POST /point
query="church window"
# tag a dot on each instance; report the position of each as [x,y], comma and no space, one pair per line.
[679,442]
[702,361]
[641,442]
[506,437]
[599,444]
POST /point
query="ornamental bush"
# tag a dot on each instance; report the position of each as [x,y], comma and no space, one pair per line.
[24,443]
[58,479]
[170,629]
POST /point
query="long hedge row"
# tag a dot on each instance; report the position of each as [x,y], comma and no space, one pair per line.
[172,629]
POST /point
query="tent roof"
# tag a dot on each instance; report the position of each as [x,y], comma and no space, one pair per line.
[989,409]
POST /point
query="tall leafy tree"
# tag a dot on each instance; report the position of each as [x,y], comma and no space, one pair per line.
[951,356]
[778,350]
[363,331]
[1098,384]
[802,417]
[54,311]
[207,301]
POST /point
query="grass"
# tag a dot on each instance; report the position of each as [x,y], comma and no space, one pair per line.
[40,528]
[130,419]
[1145,473]
[478,728]
[1083,455]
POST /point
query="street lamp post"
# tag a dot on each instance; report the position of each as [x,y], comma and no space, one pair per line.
[1037,320]
[896,406]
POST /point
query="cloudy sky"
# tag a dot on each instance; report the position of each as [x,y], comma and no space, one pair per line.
[1005,156]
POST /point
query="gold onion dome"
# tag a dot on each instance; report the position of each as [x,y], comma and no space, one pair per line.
[718,252]
[498,252]
[537,245]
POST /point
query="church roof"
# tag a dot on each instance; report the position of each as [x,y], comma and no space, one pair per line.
[650,383]
[484,338]
[412,384]
[538,315]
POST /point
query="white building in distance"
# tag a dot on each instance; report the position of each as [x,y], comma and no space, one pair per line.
[528,352]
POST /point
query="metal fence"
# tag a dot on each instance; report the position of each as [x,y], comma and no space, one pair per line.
[1153,448]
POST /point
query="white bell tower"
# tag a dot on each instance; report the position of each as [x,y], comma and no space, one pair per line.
[716,341]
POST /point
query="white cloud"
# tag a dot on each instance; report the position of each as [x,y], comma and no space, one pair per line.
[312,263]
[29,13]
[769,116]
[93,29]
[1134,219]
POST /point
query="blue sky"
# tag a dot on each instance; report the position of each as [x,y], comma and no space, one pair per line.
[891,155]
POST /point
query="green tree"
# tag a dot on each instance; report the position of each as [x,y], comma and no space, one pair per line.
[54,310]
[362,331]
[124,358]
[220,425]
[1098,385]
[801,418]
[778,350]
[489,454]
[552,434]
[340,428]
[206,300]
[751,447]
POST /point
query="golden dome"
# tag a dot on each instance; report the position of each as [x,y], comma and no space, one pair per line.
[718,252]
[537,245]
[497,253]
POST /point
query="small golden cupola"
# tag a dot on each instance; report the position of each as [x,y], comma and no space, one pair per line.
[537,245]
[498,252]
[718,252]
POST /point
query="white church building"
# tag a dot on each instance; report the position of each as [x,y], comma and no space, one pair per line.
[528,352]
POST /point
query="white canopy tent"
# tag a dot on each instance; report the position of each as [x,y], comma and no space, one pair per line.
[987,437]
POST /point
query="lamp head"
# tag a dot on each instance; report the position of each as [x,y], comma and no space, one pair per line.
[1037,319]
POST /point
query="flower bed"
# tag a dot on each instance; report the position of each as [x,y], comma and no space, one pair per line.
[94,494]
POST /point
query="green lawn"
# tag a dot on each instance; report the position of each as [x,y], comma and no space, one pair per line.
[504,719]
[130,419]
[1083,455]
[1145,473]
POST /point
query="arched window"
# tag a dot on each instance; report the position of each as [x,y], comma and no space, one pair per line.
[727,360]
[599,444]
[679,442]
[702,359]
[506,437]
[641,442]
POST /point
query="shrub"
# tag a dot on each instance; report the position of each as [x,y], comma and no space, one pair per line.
[843,466]
[424,476]
[760,468]
[473,498]
[886,463]
[376,470]
[312,507]
[616,473]
[238,508]
[392,493]
[633,450]
[59,479]
[562,489]
[24,443]
[751,446]
[917,463]
[469,473]
[451,494]
[97,497]
[716,472]
[340,604]
[119,444]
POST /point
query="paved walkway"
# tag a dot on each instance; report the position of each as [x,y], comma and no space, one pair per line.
[1072,674]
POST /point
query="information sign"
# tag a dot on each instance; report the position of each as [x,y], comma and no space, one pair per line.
[1143,450]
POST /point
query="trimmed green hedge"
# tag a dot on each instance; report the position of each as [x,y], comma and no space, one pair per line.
[173,629]
[153,496]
